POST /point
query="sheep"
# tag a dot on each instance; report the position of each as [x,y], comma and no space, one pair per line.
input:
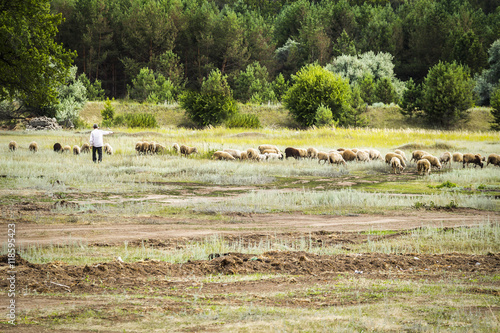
[445,158]
[58,148]
[302,152]
[472,158]
[348,155]
[185,150]
[417,155]
[389,156]
[176,147]
[66,149]
[268,151]
[138,147]
[268,147]
[274,156]
[494,159]
[362,156]
[13,145]
[312,152]
[402,153]
[244,156]
[76,150]
[85,148]
[253,154]
[433,160]
[374,154]
[33,147]
[322,156]
[144,147]
[341,149]
[354,150]
[423,166]
[458,157]
[262,157]
[222,155]
[292,152]
[108,149]
[396,165]
[234,153]
[152,147]
[160,148]
[336,158]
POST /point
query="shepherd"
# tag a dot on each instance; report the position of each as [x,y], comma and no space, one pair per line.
[96,141]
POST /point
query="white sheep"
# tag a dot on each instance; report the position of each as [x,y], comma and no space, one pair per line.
[402,153]
[336,158]
[423,166]
[417,155]
[268,147]
[253,154]
[362,156]
[302,152]
[312,152]
[389,156]
[33,147]
[445,158]
[374,154]
[322,156]
[176,147]
[186,150]
[274,156]
[396,165]
[222,155]
[76,150]
[234,152]
[108,149]
[433,160]
[66,149]
[85,148]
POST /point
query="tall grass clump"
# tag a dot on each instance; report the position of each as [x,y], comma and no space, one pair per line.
[243,121]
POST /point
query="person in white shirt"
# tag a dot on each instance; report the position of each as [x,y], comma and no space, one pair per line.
[96,141]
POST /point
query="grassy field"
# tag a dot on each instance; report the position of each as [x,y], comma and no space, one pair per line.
[163,243]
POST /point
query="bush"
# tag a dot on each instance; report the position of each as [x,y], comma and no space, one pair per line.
[313,87]
[213,104]
[447,94]
[243,121]
[152,88]
[410,103]
[108,112]
[143,120]
[324,116]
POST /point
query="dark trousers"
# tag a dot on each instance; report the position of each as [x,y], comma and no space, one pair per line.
[97,150]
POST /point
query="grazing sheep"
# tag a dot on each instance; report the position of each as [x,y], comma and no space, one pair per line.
[348,155]
[274,156]
[336,158]
[58,148]
[262,157]
[433,160]
[185,150]
[253,154]
[108,149]
[362,156]
[144,147]
[244,156]
[138,147]
[152,147]
[494,159]
[445,158]
[160,149]
[312,152]
[396,165]
[389,156]
[268,151]
[322,156]
[33,147]
[472,158]
[374,154]
[402,153]
[222,155]
[423,166]
[354,150]
[417,155]
[302,152]
[234,152]
[268,147]
[292,152]
[85,148]
[13,145]
[458,157]
[76,150]
[176,147]
[66,149]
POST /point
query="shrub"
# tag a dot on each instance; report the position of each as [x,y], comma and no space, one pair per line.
[410,103]
[447,94]
[280,86]
[108,112]
[143,120]
[315,86]
[324,116]
[213,104]
[243,121]
[152,88]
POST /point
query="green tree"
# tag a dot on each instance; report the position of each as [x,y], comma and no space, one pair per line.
[280,86]
[312,87]
[356,115]
[495,108]
[151,87]
[94,90]
[384,91]
[253,83]
[367,88]
[33,65]
[410,103]
[447,94]
[213,104]
[490,77]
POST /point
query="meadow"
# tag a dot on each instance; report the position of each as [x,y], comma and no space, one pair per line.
[168,243]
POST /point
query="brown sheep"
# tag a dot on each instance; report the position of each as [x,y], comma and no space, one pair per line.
[76,150]
[223,155]
[396,165]
[144,147]
[362,156]
[66,149]
[458,157]
[185,150]
[433,160]
[234,152]
[336,158]
[253,154]
[474,159]
[108,149]
[312,152]
[494,159]
[58,148]
[445,158]
[389,156]
[160,149]
[402,153]
[341,149]
[85,148]
[348,155]
[292,152]
[270,148]
[322,156]
[423,166]
[244,156]
[13,145]
[138,147]
[33,147]
[417,155]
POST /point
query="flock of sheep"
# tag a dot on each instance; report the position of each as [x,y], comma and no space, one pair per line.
[397,159]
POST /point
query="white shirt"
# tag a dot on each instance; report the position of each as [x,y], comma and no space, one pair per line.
[96,137]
